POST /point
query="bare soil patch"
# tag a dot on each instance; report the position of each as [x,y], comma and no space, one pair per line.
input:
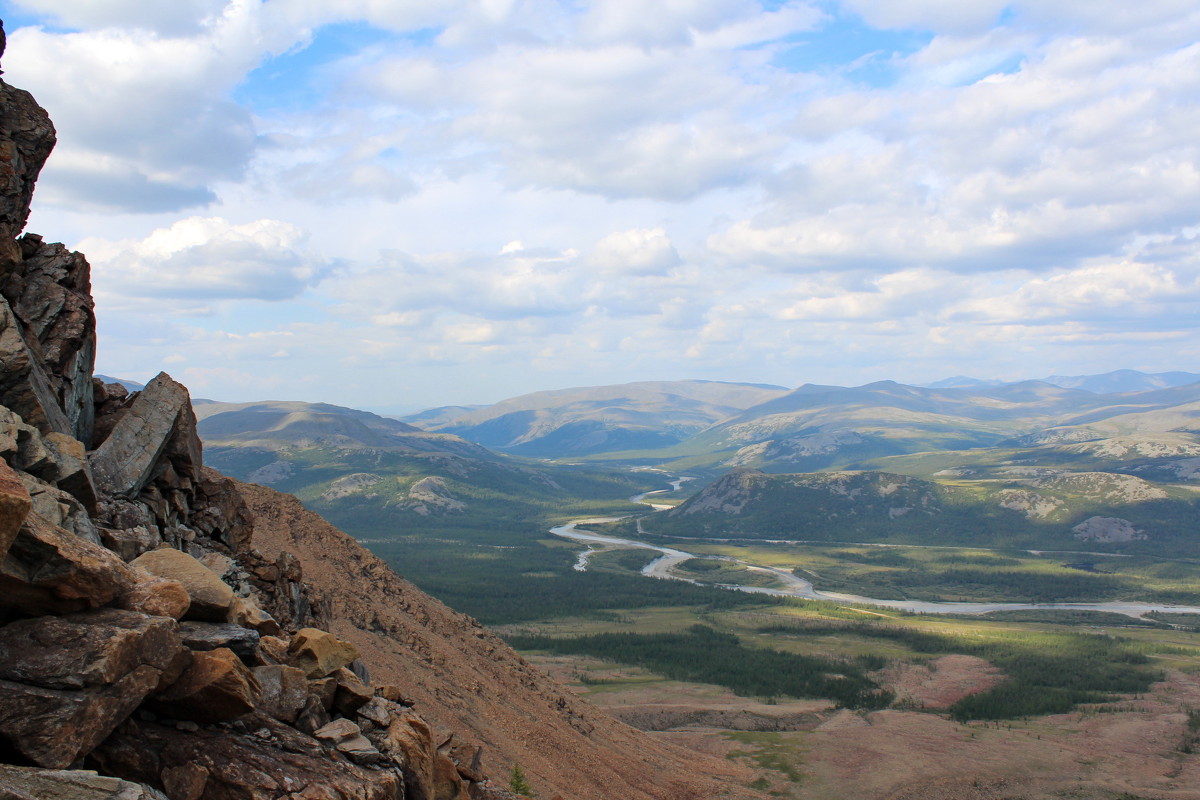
[939,683]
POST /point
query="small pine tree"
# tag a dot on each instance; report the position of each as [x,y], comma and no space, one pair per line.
[517,784]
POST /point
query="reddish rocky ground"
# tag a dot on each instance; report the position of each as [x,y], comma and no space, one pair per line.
[462,677]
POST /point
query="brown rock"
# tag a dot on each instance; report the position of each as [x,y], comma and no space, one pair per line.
[246,612]
[272,650]
[378,711]
[14,505]
[93,648]
[60,508]
[287,764]
[410,741]
[220,512]
[129,543]
[447,783]
[210,596]
[54,727]
[125,463]
[284,691]
[159,597]
[185,782]
[26,138]
[394,694]
[50,570]
[32,783]
[351,693]
[319,653]
[324,690]
[347,737]
[71,471]
[217,687]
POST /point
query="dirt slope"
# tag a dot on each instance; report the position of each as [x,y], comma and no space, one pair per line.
[464,678]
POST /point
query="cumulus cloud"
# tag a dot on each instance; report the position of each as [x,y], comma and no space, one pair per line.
[642,251]
[204,259]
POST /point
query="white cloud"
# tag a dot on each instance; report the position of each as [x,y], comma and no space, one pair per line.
[209,259]
[643,251]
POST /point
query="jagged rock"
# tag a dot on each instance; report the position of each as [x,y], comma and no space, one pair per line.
[31,783]
[110,401]
[51,570]
[272,651]
[284,691]
[24,386]
[26,138]
[211,635]
[131,453]
[287,764]
[129,543]
[60,508]
[93,648]
[14,506]
[410,742]
[52,298]
[72,473]
[159,597]
[215,688]
[246,612]
[325,690]
[67,682]
[378,711]
[347,737]
[221,513]
[210,596]
[395,694]
[313,716]
[351,693]
[185,782]
[319,653]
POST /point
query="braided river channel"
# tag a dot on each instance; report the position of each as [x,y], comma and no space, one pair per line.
[792,585]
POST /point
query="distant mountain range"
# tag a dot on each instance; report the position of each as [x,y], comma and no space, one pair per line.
[1121,380]
[598,419]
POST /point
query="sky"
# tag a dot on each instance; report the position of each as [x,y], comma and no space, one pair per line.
[395,204]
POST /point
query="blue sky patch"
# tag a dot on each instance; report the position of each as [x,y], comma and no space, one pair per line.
[849,46]
[292,81]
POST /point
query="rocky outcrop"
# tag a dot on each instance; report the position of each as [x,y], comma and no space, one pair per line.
[142,633]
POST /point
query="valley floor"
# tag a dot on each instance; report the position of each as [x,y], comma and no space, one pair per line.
[1128,749]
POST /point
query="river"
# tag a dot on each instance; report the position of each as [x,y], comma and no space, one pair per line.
[795,586]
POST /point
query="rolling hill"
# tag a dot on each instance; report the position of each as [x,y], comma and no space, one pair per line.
[598,419]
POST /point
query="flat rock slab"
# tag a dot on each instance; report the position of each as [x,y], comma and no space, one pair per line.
[94,648]
[55,727]
[204,636]
[31,783]
[123,464]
